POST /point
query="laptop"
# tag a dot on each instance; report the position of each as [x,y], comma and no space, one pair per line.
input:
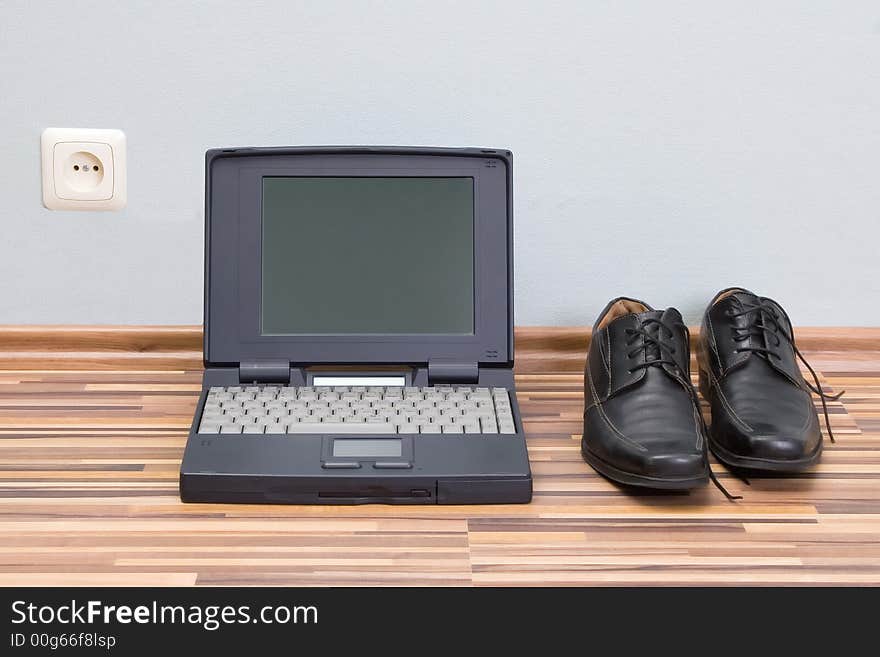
[358,329]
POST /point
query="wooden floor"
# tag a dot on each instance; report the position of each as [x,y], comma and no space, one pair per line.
[88,488]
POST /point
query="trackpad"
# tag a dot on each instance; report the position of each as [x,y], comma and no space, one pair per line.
[367,448]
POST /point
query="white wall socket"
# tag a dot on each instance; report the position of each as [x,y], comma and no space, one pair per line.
[83,169]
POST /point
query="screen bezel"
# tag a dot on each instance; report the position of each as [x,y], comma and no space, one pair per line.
[234,261]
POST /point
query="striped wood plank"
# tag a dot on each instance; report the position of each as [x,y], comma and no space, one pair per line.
[93,422]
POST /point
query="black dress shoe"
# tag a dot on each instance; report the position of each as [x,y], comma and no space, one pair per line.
[642,422]
[762,410]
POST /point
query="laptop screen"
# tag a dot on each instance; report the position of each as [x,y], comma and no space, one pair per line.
[367,255]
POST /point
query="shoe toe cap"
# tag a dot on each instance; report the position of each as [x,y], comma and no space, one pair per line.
[780,447]
[676,466]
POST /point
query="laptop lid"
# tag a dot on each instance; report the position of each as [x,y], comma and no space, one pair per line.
[349,255]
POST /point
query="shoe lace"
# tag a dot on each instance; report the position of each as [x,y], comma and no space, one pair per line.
[660,350]
[763,321]
[658,346]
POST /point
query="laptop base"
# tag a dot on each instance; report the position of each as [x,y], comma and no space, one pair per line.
[340,468]
[259,489]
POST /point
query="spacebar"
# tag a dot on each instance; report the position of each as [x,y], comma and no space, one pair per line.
[348,427]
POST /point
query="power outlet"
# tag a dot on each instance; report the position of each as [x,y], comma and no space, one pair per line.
[83,169]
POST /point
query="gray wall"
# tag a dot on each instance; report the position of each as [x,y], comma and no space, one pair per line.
[663,149]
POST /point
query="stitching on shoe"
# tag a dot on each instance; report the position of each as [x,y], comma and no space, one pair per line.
[697,426]
[727,405]
[695,408]
[608,337]
[602,353]
[714,342]
[608,420]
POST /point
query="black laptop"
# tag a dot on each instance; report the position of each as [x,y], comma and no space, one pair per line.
[358,329]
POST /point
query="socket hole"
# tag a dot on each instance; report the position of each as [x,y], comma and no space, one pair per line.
[84,172]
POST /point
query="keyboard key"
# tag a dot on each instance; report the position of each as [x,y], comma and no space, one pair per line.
[320,427]
[276,428]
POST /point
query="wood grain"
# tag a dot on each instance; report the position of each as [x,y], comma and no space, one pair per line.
[538,348]
[101,347]
[92,427]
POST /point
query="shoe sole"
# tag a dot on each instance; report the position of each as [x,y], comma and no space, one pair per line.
[752,463]
[629,479]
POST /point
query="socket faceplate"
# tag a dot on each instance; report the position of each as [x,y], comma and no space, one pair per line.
[83,169]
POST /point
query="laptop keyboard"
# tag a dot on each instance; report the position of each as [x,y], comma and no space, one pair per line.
[356,410]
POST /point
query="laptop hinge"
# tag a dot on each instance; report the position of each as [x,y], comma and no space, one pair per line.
[448,371]
[264,371]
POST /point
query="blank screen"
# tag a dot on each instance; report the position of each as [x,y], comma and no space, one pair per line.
[367,255]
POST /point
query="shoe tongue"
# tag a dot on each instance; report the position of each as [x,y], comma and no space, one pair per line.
[730,310]
[730,307]
[745,296]
[734,300]
[669,317]
[652,314]
[751,299]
